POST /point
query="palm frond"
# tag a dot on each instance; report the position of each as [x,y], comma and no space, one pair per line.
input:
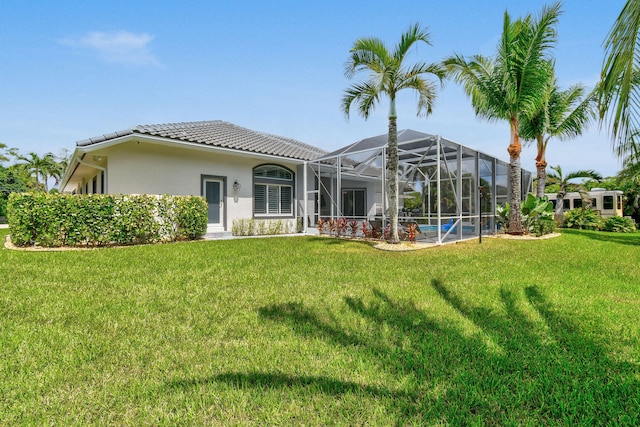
[367,54]
[364,95]
[414,34]
[617,96]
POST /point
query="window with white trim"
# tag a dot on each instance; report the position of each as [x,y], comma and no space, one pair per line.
[272,191]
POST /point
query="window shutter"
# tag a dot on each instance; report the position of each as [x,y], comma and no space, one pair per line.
[260,199]
[273,199]
[285,200]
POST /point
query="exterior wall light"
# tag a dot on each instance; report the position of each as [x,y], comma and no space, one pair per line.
[236,186]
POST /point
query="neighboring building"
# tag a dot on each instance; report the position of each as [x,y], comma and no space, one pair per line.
[242,173]
[606,202]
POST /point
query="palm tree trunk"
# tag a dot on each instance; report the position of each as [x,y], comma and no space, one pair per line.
[558,215]
[541,167]
[515,179]
[541,183]
[392,179]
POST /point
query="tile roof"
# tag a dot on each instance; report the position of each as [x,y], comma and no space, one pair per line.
[218,133]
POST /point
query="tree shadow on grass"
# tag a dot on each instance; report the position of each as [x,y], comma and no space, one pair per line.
[629,239]
[525,363]
[321,384]
[342,240]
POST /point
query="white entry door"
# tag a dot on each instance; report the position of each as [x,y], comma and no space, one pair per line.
[214,194]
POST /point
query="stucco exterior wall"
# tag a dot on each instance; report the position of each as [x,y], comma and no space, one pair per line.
[141,167]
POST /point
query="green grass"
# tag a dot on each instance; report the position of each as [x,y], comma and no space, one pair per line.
[316,331]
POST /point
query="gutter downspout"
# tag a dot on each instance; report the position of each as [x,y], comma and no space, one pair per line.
[305,199]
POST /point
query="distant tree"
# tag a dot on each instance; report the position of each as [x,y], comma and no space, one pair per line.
[563,115]
[39,167]
[58,166]
[10,182]
[619,88]
[566,184]
[388,75]
[6,153]
[510,85]
[413,200]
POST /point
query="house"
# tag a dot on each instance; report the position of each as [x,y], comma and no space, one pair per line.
[241,173]
[244,174]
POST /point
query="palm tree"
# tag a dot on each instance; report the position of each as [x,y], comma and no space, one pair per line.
[565,185]
[563,114]
[5,153]
[509,86]
[39,167]
[388,75]
[58,166]
[619,89]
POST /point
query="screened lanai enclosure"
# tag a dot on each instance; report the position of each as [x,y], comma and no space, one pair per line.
[447,190]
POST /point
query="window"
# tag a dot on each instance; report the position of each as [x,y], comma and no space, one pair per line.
[619,202]
[272,191]
[353,202]
[566,203]
[607,202]
[577,203]
[273,172]
[594,204]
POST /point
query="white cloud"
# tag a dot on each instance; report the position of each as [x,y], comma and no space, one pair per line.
[119,46]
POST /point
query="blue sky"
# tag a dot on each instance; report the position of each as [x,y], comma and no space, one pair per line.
[77,69]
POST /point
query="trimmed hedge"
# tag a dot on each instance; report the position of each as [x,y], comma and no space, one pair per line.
[54,220]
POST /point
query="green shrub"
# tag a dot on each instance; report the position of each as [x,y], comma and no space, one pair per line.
[619,224]
[543,226]
[73,220]
[584,219]
[3,205]
[502,216]
[191,217]
[537,215]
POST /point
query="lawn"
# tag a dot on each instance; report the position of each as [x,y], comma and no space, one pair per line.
[317,331]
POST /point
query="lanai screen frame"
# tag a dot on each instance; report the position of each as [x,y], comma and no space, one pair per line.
[429,165]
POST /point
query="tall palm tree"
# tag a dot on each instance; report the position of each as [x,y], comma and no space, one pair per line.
[619,89]
[509,85]
[565,185]
[563,115]
[388,75]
